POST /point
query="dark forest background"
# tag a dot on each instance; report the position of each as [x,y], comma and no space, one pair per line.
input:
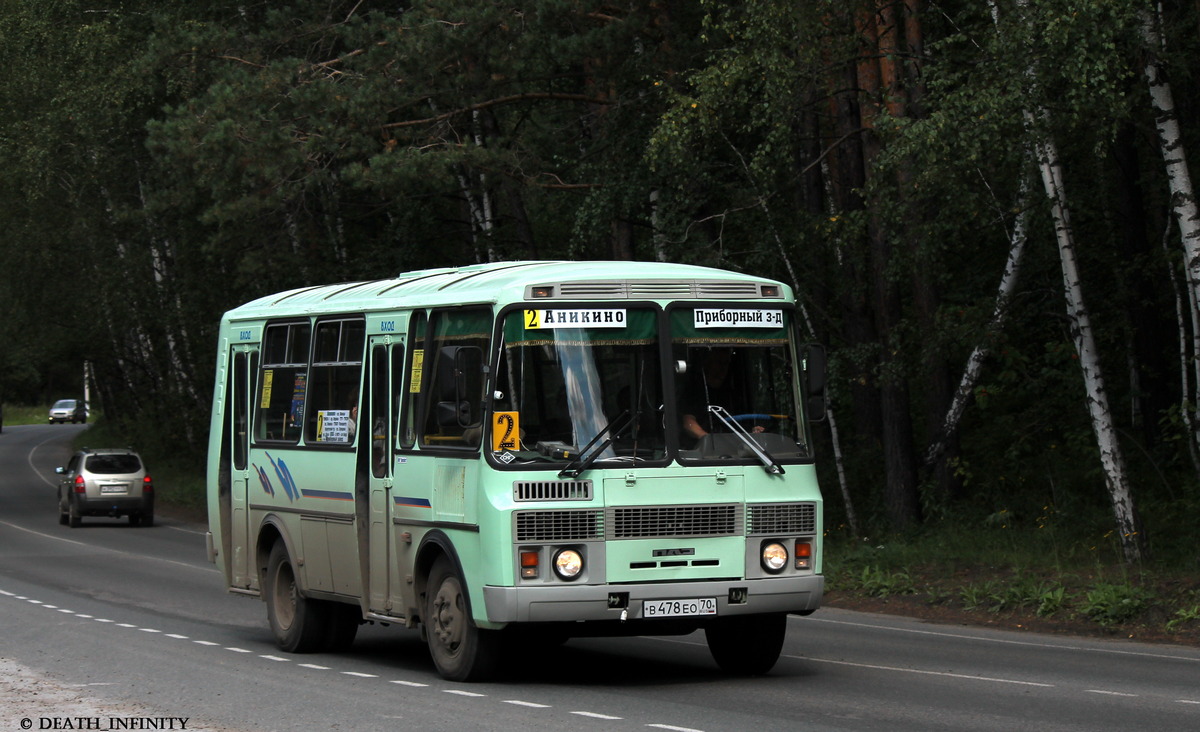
[162,161]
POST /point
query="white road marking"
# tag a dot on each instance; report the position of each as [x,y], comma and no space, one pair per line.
[596,715]
[532,705]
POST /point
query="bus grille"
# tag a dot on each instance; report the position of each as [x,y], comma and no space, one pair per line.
[552,490]
[647,522]
[781,518]
[534,526]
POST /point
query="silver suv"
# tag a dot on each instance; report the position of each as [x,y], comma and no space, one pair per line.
[105,482]
[69,410]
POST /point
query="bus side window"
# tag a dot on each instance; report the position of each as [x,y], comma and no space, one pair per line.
[407,400]
[332,413]
[283,383]
[379,410]
[454,392]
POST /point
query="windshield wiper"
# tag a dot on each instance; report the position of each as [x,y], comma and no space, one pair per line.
[769,463]
[585,459]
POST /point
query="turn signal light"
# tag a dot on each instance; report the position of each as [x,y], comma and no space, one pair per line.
[803,555]
[80,484]
[529,565]
[147,485]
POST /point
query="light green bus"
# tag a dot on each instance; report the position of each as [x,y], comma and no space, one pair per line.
[518,453]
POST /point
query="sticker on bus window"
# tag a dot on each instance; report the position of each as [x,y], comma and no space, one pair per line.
[333,425]
[575,318]
[732,318]
[506,431]
[268,378]
[418,364]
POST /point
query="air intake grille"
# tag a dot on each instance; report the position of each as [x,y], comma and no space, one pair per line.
[645,522]
[552,490]
[538,526]
[781,518]
[656,290]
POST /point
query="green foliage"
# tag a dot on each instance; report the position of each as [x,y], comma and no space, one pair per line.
[877,583]
[1184,616]
[174,159]
[1110,604]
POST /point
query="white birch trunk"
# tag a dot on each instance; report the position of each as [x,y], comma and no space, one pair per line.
[1186,349]
[970,377]
[1111,458]
[1179,179]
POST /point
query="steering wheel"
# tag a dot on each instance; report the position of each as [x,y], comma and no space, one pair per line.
[750,417]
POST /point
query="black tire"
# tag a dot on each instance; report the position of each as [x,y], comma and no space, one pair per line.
[342,626]
[135,519]
[63,510]
[747,645]
[460,650]
[148,519]
[73,517]
[298,623]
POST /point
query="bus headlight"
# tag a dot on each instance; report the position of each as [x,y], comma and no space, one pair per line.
[568,564]
[774,557]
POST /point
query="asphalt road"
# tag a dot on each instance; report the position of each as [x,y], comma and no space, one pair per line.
[136,619]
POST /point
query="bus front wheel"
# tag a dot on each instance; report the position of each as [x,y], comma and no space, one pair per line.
[460,650]
[297,622]
[747,645]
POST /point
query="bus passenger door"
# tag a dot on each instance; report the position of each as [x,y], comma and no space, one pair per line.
[244,363]
[375,451]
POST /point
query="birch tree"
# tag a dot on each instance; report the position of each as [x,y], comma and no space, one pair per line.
[1179,180]
[975,362]
[1112,459]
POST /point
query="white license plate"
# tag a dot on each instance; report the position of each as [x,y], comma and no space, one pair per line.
[679,608]
[107,489]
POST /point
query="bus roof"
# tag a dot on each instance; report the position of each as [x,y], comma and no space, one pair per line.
[495,282]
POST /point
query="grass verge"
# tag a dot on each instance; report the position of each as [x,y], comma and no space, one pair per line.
[1012,578]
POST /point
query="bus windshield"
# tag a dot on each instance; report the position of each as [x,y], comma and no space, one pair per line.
[568,377]
[735,366]
[573,374]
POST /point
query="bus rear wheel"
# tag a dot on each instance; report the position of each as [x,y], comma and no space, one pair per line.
[297,622]
[461,651]
[747,645]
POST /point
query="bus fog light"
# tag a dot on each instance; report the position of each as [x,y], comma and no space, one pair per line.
[774,557]
[568,564]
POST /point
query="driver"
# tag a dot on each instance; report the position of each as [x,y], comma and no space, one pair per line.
[711,386]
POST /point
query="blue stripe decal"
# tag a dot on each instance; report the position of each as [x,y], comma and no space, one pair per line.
[411,502]
[329,495]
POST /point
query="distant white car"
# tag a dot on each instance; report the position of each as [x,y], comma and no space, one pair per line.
[69,410]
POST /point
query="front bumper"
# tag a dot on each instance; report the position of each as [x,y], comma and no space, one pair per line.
[568,603]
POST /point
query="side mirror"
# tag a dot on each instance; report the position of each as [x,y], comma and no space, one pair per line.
[815,365]
[60,470]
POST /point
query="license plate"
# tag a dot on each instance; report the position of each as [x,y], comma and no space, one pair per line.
[679,608]
[119,488]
